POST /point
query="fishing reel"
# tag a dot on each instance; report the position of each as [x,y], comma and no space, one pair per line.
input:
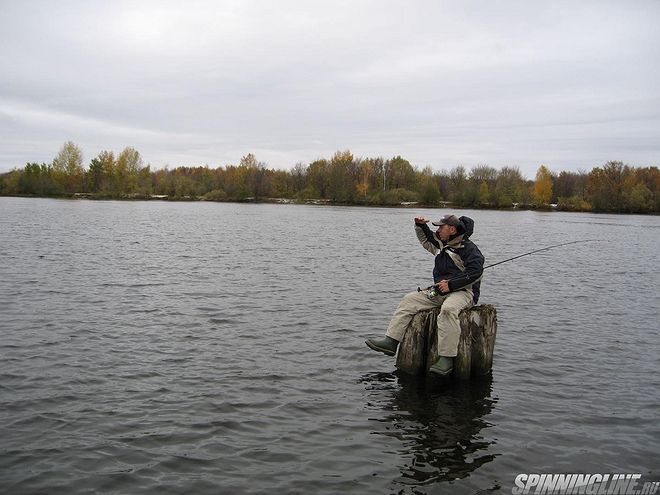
[431,291]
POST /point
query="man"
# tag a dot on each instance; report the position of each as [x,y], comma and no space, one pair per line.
[456,276]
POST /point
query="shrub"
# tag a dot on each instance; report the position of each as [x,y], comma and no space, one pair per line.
[216,195]
[398,196]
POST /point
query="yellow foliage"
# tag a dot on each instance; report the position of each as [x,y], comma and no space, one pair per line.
[543,186]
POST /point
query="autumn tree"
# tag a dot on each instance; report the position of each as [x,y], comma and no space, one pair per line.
[163,182]
[68,168]
[281,183]
[428,188]
[401,174]
[569,191]
[342,177]
[366,168]
[129,163]
[255,177]
[457,184]
[650,178]
[542,186]
[509,186]
[620,188]
[185,185]
[101,173]
[481,181]
[605,186]
[483,197]
[568,184]
[298,175]
[318,179]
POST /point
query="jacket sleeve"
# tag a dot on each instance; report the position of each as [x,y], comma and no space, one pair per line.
[473,261]
[427,238]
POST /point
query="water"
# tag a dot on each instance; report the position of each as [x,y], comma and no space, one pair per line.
[158,347]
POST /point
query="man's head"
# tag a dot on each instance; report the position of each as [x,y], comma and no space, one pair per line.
[448,227]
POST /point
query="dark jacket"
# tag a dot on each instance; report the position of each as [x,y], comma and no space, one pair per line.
[459,260]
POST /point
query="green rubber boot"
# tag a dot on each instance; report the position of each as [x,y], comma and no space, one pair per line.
[443,366]
[387,345]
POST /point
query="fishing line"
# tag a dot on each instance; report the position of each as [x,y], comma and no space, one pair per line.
[521,255]
[539,250]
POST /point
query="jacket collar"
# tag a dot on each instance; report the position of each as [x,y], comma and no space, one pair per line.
[454,242]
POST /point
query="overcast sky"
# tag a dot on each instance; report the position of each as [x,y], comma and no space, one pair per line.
[568,84]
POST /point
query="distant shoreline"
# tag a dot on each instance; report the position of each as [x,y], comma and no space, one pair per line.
[341,180]
[312,202]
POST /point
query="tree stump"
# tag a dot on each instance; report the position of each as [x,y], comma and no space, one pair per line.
[418,349]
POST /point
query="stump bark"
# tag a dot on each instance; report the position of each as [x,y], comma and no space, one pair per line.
[418,349]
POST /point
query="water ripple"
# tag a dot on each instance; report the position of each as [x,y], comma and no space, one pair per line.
[154,347]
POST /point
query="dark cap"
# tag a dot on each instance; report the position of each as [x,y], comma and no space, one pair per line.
[448,220]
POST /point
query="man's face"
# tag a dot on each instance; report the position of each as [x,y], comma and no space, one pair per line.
[444,232]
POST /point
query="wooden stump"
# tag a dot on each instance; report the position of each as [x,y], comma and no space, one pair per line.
[418,349]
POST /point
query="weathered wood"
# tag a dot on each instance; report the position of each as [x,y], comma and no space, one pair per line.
[413,349]
[418,349]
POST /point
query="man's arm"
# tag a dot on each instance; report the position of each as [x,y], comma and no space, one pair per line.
[426,236]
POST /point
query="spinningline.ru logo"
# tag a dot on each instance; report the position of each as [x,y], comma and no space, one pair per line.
[589,484]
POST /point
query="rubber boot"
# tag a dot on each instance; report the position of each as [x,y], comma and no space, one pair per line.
[443,366]
[387,345]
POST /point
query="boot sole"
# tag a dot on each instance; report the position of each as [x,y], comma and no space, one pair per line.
[379,349]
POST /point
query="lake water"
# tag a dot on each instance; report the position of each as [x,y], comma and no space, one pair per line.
[159,347]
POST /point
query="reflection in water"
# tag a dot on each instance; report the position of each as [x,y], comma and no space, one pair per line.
[438,422]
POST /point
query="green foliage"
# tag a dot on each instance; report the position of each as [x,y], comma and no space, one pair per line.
[343,179]
[39,180]
[102,175]
[401,174]
[67,171]
[639,199]
[430,194]
[573,203]
[69,159]
[343,176]
[483,198]
[318,177]
[620,188]
[509,187]
[216,195]
[400,195]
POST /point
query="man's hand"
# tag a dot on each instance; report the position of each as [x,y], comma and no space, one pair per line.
[443,285]
[420,220]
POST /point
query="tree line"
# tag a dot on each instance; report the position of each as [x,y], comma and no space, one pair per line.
[344,179]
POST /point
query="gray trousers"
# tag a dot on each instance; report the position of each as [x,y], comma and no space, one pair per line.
[449,326]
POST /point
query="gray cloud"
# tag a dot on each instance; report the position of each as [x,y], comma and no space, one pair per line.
[570,85]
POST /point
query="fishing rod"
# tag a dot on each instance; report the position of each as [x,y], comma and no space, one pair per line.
[432,287]
[539,250]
